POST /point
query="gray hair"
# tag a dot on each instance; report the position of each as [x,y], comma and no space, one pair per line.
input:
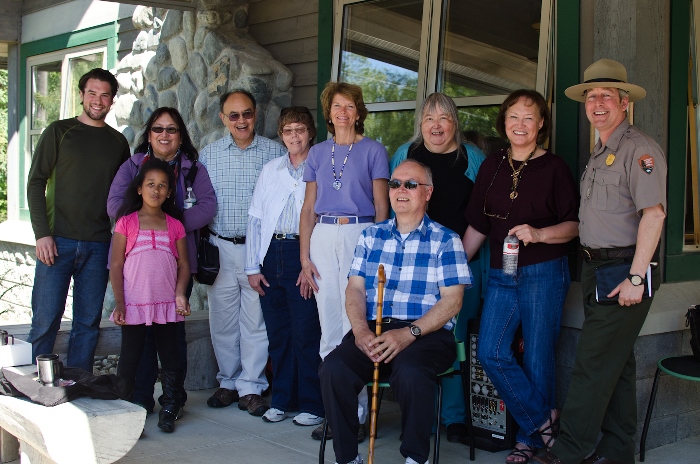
[442,102]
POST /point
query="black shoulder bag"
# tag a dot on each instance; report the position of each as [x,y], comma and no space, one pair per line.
[207,254]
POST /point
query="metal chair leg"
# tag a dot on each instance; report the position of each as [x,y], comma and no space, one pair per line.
[322,450]
[438,420]
[650,408]
[467,408]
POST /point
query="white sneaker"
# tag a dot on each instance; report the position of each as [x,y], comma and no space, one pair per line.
[357,460]
[274,415]
[411,461]
[305,418]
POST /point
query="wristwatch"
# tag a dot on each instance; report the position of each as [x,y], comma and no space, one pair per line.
[415,330]
[636,280]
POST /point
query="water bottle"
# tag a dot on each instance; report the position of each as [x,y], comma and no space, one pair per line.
[511,248]
[190,199]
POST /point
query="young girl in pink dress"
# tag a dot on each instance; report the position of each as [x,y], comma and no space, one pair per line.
[149,273]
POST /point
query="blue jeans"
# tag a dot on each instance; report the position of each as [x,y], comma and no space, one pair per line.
[533,298]
[86,263]
[453,410]
[293,331]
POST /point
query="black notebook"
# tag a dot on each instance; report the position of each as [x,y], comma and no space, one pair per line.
[609,277]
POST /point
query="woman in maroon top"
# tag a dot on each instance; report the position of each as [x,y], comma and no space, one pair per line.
[529,192]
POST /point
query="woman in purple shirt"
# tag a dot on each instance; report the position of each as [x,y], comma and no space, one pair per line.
[528,192]
[165,137]
[346,191]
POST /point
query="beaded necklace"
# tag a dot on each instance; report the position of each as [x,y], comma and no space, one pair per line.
[336,183]
[517,172]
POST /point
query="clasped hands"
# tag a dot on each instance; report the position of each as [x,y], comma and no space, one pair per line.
[385,347]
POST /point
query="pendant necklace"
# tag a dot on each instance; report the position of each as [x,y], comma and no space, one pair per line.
[517,172]
[336,183]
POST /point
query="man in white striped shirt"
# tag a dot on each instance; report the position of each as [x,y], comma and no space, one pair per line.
[235,318]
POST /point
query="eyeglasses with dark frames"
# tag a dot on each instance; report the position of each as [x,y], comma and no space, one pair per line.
[409,184]
[298,131]
[247,114]
[512,198]
[170,130]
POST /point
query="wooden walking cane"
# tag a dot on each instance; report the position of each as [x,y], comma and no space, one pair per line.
[375,377]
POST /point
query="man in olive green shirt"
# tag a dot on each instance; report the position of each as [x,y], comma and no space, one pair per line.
[72,169]
[623,206]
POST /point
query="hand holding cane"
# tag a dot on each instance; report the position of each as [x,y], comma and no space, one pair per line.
[375,378]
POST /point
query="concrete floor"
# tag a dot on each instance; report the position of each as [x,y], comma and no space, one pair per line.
[231,436]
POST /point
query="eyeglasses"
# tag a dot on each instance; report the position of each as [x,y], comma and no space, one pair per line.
[512,198]
[247,114]
[170,130]
[296,109]
[409,184]
[298,131]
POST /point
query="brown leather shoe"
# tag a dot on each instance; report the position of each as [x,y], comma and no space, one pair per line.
[222,397]
[598,459]
[548,458]
[254,404]
[317,433]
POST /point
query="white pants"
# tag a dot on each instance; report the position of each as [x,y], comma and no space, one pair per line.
[331,250]
[236,324]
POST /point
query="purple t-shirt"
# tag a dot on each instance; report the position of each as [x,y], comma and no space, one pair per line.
[367,161]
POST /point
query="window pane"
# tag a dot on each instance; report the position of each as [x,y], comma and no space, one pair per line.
[380,48]
[391,128]
[488,48]
[77,67]
[46,94]
[478,124]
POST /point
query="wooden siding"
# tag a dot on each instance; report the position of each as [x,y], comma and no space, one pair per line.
[289,30]
[126,34]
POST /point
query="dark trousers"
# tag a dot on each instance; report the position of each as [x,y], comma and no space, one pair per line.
[412,374]
[147,370]
[293,332]
[602,394]
[133,339]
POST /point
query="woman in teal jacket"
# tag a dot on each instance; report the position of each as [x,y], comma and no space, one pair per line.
[439,144]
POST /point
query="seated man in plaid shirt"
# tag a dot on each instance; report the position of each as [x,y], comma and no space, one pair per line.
[426,273]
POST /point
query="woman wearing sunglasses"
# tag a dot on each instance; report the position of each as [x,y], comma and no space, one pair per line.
[165,137]
[346,191]
[529,192]
[438,143]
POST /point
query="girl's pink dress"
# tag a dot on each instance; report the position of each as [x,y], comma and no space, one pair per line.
[150,271]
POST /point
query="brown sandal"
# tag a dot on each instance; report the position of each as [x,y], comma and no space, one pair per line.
[550,433]
[526,453]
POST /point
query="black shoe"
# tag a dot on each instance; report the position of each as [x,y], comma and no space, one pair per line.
[222,397]
[457,433]
[317,433]
[166,420]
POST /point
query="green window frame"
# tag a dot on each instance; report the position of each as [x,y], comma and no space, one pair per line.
[103,33]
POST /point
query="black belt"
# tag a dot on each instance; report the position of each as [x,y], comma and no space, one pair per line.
[237,240]
[285,236]
[604,254]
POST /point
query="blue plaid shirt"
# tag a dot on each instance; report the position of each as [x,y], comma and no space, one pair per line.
[233,174]
[430,257]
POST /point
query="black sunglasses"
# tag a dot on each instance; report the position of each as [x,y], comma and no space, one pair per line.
[247,114]
[170,130]
[409,184]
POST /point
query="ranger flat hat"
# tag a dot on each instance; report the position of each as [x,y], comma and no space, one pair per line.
[605,73]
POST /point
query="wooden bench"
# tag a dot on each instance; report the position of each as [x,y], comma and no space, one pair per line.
[201,362]
[82,431]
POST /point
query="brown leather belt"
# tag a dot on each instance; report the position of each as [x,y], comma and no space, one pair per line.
[604,254]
